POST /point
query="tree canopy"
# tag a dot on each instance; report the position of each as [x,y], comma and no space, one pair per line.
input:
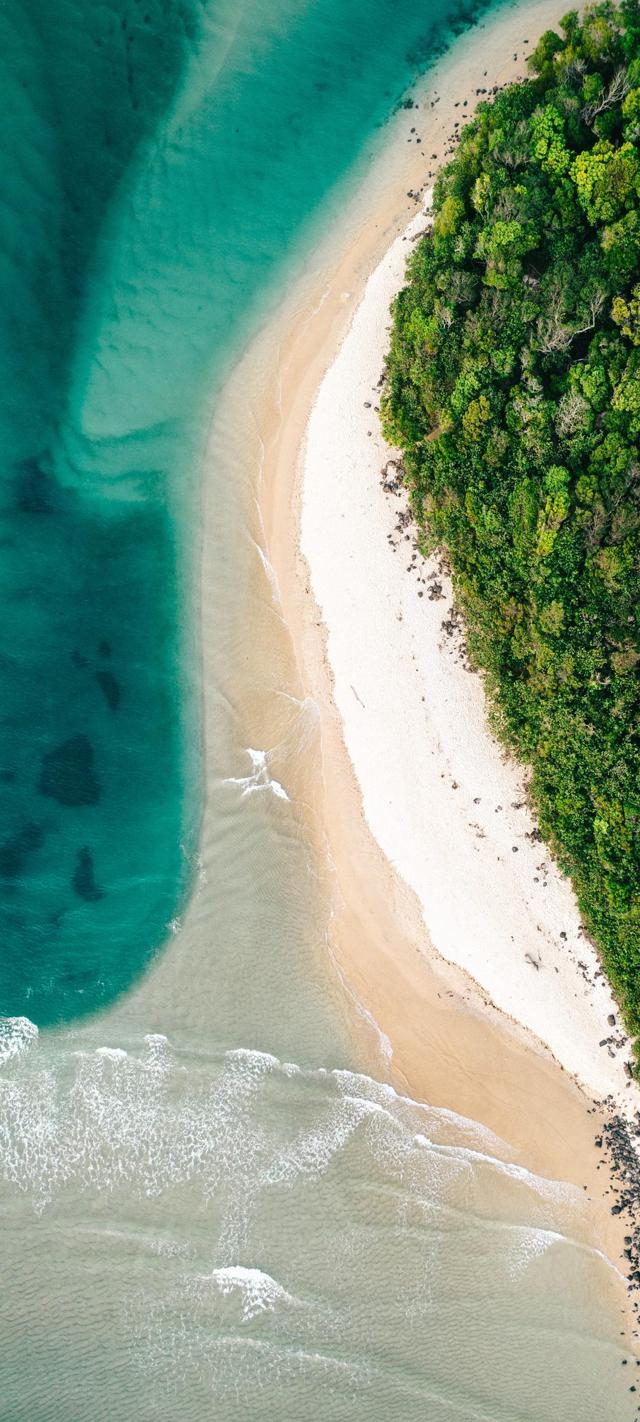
[513,389]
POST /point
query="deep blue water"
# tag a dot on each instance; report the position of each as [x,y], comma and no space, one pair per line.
[164,160]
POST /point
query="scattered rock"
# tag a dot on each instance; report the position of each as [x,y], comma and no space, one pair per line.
[621,1138]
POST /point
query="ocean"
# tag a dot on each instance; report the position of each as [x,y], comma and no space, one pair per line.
[209,1208]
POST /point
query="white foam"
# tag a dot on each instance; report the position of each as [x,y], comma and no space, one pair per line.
[17,1034]
[440,1120]
[559,1190]
[312,1151]
[250,1056]
[259,1292]
[260,778]
[269,570]
[528,1246]
[148,1121]
[386,1050]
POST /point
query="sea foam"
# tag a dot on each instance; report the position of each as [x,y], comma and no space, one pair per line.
[17,1034]
[258,1292]
[259,779]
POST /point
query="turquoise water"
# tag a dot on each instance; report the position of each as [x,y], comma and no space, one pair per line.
[208,1209]
[163,163]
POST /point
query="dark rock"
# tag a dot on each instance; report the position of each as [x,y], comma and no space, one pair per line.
[104,648]
[110,688]
[611,1020]
[83,880]
[67,773]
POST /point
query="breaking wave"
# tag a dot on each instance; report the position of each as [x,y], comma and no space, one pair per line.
[17,1034]
[263,1206]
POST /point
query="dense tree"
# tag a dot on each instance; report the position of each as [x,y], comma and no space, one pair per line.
[513,387]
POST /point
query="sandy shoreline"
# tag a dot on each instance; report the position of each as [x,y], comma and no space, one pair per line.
[443,801]
[448,1042]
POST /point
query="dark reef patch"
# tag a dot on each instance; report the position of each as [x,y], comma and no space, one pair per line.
[14,850]
[83,881]
[67,773]
[35,491]
[110,688]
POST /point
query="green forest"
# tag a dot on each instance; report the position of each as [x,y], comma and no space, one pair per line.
[513,390]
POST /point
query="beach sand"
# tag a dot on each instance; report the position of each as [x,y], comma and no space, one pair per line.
[293,689]
[442,799]
[448,919]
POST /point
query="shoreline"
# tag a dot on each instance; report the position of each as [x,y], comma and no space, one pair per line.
[447,1041]
[445,802]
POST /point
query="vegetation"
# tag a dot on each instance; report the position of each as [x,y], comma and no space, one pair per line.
[513,388]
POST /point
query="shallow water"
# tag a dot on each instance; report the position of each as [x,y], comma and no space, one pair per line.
[197,1233]
[207,1209]
[165,163]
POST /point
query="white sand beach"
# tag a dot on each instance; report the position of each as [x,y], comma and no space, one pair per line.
[443,800]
